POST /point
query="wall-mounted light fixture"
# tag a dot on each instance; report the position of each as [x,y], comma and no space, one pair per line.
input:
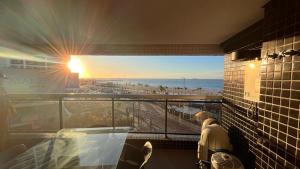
[291,53]
[245,54]
[234,56]
[286,53]
[273,55]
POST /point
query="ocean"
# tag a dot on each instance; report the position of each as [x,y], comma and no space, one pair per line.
[211,84]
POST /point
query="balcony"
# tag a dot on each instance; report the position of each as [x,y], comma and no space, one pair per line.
[168,121]
[258,108]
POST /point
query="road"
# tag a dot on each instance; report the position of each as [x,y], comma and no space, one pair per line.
[157,115]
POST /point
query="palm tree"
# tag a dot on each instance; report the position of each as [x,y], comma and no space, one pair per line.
[161,88]
[200,89]
[166,89]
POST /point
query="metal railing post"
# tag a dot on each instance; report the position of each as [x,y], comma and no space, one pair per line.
[133,114]
[138,114]
[128,116]
[166,118]
[150,124]
[61,118]
[113,112]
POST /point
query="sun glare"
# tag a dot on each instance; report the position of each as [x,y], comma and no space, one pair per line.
[75,66]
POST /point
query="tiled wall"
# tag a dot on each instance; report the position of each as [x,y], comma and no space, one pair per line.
[275,139]
[279,108]
[234,110]
[235,106]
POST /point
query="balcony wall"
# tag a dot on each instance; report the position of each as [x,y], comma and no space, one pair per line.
[274,137]
[234,110]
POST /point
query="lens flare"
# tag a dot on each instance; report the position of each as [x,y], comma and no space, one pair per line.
[75,66]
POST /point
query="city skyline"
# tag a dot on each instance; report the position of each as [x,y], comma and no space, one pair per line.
[148,67]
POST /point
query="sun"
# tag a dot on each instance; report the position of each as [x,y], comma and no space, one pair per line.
[75,65]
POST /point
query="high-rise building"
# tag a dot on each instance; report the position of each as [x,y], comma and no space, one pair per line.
[43,75]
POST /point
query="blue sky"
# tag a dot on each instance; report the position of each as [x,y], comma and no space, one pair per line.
[202,67]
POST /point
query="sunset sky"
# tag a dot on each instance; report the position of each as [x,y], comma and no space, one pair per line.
[202,67]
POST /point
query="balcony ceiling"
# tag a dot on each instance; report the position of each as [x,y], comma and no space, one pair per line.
[204,23]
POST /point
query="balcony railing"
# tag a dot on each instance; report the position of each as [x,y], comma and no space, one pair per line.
[156,114]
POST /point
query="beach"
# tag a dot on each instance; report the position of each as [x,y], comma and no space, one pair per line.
[152,86]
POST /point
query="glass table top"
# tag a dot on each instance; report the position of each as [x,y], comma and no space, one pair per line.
[76,148]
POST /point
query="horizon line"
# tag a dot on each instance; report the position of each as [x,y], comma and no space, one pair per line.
[158,78]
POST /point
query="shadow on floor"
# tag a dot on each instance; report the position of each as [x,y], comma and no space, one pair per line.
[172,159]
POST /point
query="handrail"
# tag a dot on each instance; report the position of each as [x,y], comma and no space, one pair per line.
[164,99]
[116,96]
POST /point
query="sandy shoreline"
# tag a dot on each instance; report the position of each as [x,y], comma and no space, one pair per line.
[106,87]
